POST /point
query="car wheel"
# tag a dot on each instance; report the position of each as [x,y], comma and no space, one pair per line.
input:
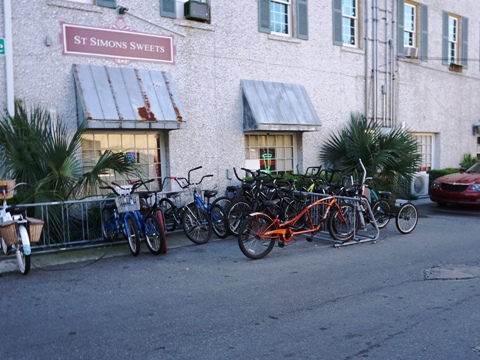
[441,204]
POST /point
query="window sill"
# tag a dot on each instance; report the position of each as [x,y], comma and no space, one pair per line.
[455,67]
[284,39]
[194,24]
[74,5]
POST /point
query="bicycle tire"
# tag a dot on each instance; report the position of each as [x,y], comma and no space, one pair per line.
[197,224]
[236,213]
[249,238]
[217,215]
[381,213]
[109,232]
[169,213]
[222,201]
[133,237]
[23,261]
[407,218]
[161,219]
[154,235]
[338,229]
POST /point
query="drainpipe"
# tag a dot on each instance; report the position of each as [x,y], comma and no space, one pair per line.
[367,77]
[385,86]
[7,13]
[375,57]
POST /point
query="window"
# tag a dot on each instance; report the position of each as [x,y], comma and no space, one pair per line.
[176,9]
[278,16]
[346,20]
[425,149]
[410,26]
[105,3]
[455,40]
[412,30]
[144,149]
[275,153]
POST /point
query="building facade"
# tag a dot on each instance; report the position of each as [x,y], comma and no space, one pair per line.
[219,84]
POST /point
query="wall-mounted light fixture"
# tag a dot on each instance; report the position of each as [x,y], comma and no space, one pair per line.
[48,41]
[122,10]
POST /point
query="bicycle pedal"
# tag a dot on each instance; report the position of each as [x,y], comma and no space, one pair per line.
[281,244]
[309,239]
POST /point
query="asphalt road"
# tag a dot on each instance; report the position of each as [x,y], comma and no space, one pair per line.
[406,297]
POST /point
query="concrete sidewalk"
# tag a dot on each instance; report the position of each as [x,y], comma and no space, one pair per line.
[62,257]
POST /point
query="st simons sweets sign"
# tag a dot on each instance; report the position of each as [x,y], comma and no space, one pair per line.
[118,42]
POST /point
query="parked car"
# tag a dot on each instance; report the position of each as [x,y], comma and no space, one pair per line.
[461,188]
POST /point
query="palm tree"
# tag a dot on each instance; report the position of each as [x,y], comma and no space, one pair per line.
[389,155]
[42,153]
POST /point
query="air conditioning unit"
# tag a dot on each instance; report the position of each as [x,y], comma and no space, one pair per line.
[196,10]
[411,52]
[420,183]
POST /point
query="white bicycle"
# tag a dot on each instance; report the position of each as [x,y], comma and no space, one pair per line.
[16,230]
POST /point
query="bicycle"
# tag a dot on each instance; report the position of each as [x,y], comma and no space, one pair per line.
[17,231]
[259,232]
[120,218]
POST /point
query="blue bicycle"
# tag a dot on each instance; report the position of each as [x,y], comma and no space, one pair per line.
[134,219]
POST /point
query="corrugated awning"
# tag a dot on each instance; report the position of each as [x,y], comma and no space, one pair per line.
[126,98]
[274,106]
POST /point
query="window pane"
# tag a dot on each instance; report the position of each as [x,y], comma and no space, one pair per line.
[348,7]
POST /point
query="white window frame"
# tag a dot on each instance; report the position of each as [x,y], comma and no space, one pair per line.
[285,150]
[426,148]
[410,33]
[351,18]
[287,14]
[83,1]
[150,153]
[453,39]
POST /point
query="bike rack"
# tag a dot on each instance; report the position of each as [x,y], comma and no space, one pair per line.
[359,237]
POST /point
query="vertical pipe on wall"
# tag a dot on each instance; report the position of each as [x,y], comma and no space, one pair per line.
[7,13]
[375,57]
[385,108]
[366,44]
[392,64]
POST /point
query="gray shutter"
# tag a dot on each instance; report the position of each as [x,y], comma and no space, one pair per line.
[464,37]
[337,22]
[400,27]
[168,8]
[264,16]
[445,38]
[107,3]
[423,32]
[302,19]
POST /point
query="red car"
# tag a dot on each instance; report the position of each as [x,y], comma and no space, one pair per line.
[462,188]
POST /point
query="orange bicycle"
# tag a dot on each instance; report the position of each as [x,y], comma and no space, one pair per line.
[259,232]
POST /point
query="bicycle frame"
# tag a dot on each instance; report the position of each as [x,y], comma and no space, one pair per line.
[284,230]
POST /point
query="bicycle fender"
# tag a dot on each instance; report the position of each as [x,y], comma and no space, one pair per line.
[259,213]
[25,239]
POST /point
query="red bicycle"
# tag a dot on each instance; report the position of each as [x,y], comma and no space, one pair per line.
[259,232]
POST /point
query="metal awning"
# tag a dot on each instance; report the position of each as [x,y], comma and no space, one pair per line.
[271,106]
[127,98]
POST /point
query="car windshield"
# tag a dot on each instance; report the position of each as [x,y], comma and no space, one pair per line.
[475,168]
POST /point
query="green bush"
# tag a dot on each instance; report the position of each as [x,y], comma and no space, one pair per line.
[441,172]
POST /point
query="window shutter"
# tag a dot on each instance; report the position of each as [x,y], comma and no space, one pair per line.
[424,32]
[445,39]
[337,22]
[400,27]
[264,16]
[302,19]
[464,36]
[168,8]
[107,3]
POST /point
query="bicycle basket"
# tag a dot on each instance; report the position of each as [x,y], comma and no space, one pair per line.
[34,227]
[127,202]
[8,231]
[8,186]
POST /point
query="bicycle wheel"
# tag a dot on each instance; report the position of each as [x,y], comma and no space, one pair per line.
[222,201]
[236,212]
[161,219]
[169,213]
[381,213]
[407,218]
[108,225]
[342,230]
[217,215]
[154,234]
[131,229]
[197,224]
[23,261]
[250,238]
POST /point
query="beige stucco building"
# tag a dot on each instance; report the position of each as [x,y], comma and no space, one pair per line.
[221,82]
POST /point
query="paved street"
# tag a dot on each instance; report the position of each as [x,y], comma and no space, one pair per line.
[406,297]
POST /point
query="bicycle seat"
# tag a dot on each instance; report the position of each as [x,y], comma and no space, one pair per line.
[15,210]
[144,194]
[172,194]
[270,202]
[301,195]
[210,193]
[384,194]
